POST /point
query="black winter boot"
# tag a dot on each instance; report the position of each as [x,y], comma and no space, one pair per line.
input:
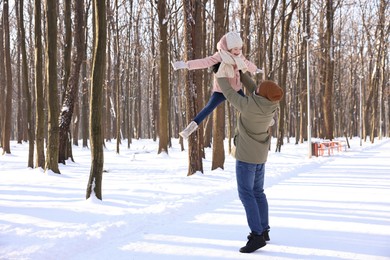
[255,242]
[265,235]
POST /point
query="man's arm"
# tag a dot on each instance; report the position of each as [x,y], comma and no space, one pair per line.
[238,101]
[248,83]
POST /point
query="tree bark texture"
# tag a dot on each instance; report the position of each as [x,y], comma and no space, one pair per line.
[98,68]
[71,92]
[164,83]
[39,94]
[8,76]
[26,88]
[51,85]
[218,159]
[194,156]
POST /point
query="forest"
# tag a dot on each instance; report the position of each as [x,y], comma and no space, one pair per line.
[87,72]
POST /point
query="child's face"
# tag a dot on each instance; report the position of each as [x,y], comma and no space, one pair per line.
[236,51]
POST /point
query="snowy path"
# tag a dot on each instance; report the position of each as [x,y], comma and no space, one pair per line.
[339,210]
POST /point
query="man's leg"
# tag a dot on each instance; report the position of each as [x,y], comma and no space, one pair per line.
[261,197]
[245,183]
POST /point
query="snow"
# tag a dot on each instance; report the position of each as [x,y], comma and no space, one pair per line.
[331,207]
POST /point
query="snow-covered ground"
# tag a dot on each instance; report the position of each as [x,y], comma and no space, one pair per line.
[331,207]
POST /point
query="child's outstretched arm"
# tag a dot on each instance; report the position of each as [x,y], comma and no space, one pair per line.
[202,63]
[252,68]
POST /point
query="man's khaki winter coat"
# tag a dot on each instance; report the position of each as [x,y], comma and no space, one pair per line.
[256,112]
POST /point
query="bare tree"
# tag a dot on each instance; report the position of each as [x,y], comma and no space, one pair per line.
[283,69]
[328,72]
[109,110]
[51,83]
[137,75]
[194,155]
[67,51]
[39,96]
[218,159]
[71,90]
[26,88]
[117,79]
[85,82]
[153,102]
[3,84]
[371,110]
[98,68]
[198,42]
[8,75]
[301,113]
[164,86]
[246,7]
[271,74]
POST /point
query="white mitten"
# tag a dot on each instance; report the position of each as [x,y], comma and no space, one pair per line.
[177,65]
[259,71]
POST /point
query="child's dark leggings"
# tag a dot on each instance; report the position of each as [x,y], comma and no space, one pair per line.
[215,99]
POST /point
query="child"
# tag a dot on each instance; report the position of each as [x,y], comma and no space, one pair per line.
[232,61]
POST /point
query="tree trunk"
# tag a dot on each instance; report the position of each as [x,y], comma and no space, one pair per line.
[85,92]
[51,79]
[302,99]
[271,73]
[3,84]
[39,95]
[129,67]
[328,73]
[108,113]
[67,45]
[117,79]
[8,75]
[153,100]
[219,113]
[286,21]
[198,43]
[26,89]
[377,74]
[71,92]
[19,100]
[94,186]
[194,155]
[246,15]
[137,91]
[164,84]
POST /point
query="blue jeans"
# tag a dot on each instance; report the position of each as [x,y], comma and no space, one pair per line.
[215,99]
[250,184]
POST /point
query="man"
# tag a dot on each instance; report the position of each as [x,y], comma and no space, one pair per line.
[252,143]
